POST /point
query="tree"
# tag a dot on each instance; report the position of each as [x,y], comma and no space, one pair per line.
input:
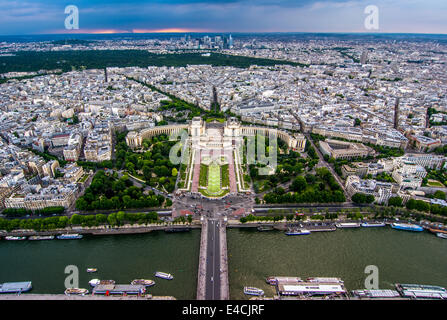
[370,198]
[359,198]
[174,172]
[299,184]
[395,201]
[75,219]
[439,195]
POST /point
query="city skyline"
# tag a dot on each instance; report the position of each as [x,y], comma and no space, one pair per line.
[222,16]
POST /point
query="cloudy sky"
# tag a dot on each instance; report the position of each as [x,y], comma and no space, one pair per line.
[107,16]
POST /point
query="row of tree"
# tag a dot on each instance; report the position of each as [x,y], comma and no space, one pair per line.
[51,223]
[21,212]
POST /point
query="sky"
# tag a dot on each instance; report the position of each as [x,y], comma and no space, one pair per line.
[19,17]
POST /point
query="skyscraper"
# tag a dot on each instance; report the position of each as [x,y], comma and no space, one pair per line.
[364,57]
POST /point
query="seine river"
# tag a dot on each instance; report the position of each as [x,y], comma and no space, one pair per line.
[401,256]
[118,257]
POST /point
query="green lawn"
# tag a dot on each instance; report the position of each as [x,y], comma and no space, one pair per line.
[214,178]
[434,183]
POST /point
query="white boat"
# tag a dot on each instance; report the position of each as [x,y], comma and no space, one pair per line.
[163,275]
[442,235]
[348,225]
[325,280]
[90,270]
[14,238]
[253,291]
[79,291]
[373,224]
[144,282]
[96,282]
[297,232]
[41,238]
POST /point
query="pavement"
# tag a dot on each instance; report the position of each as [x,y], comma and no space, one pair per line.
[213,279]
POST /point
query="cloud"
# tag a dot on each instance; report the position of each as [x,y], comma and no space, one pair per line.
[41,16]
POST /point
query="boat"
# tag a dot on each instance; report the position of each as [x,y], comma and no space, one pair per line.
[441,235]
[376,293]
[41,238]
[407,227]
[421,291]
[15,287]
[265,228]
[14,238]
[90,270]
[163,275]
[69,236]
[253,291]
[324,280]
[437,230]
[96,282]
[297,232]
[79,291]
[274,280]
[170,230]
[373,224]
[144,282]
[347,225]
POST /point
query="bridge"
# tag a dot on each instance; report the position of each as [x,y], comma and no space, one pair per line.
[212,283]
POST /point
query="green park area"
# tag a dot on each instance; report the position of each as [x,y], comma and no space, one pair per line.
[211,180]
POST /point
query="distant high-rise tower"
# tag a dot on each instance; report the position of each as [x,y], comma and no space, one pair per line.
[230,42]
[105,74]
[396,114]
[364,57]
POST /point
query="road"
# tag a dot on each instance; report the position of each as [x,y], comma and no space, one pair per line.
[323,163]
[212,282]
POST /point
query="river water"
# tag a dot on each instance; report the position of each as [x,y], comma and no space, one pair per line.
[118,257]
[401,256]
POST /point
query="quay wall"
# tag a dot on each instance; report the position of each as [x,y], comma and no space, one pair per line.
[97,230]
[27,296]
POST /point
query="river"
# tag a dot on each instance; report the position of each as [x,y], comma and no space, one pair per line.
[118,257]
[401,256]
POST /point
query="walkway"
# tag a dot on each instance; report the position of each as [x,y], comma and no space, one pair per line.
[196,173]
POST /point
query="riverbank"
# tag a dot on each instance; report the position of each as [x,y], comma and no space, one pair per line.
[32,296]
[101,230]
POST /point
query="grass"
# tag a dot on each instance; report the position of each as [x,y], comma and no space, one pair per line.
[214,178]
[434,183]
[203,177]
[225,175]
